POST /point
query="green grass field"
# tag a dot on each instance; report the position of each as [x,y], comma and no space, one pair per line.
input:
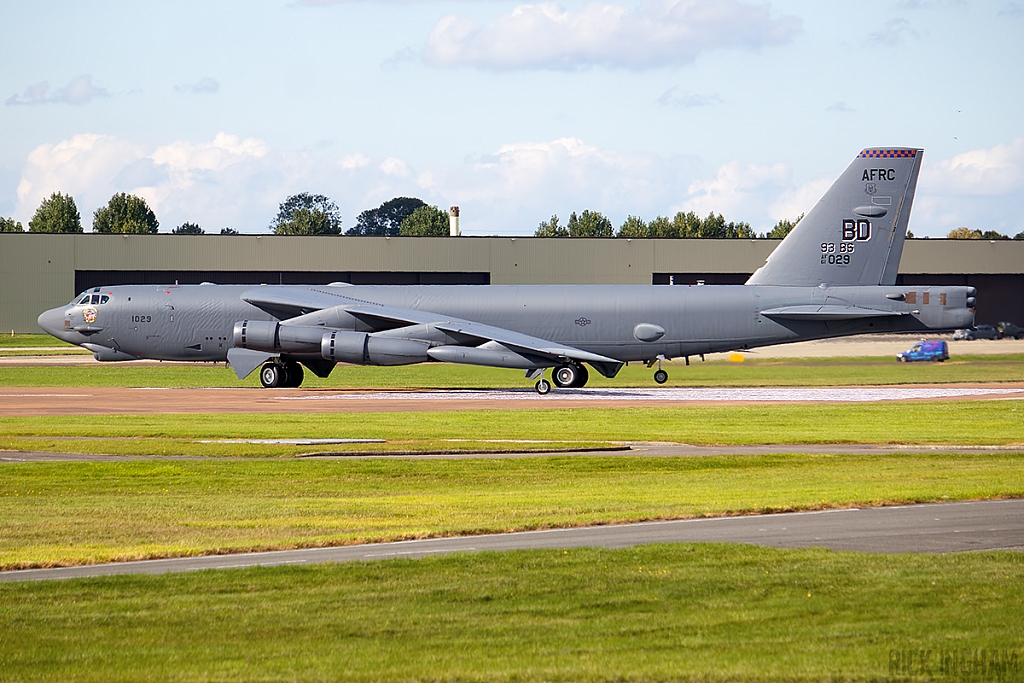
[752,372]
[74,513]
[675,612]
[930,422]
[32,340]
[654,613]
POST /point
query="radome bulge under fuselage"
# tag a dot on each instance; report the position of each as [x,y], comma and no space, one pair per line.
[194,322]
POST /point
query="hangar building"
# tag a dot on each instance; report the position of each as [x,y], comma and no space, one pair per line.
[41,271]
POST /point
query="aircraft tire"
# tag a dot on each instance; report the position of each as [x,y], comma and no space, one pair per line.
[272,376]
[542,386]
[581,378]
[565,376]
[660,376]
[293,374]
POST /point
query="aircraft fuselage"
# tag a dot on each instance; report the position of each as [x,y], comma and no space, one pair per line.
[195,322]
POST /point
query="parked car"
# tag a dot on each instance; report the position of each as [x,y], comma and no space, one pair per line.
[931,350]
[977,332]
[1010,330]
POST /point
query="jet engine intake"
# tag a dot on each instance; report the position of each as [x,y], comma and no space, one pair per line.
[361,348]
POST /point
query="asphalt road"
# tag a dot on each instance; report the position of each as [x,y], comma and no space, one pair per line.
[931,528]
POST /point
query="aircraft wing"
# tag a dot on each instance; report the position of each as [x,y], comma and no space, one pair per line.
[511,339]
[293,302]
[829,312]
[290,301]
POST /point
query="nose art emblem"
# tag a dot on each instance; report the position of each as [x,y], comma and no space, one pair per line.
[89,315]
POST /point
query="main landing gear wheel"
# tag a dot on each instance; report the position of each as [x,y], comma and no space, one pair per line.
[280,375]
[660,376]
[542,386]
[570,375]
[293,374]
[272,376]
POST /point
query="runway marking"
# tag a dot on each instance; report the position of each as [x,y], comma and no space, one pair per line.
[694,394]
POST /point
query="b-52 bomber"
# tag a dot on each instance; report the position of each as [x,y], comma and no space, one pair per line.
[833,275]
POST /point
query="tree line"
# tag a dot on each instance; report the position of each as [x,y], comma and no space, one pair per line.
[316,214]
[965,233]
[299,214]
[682,225]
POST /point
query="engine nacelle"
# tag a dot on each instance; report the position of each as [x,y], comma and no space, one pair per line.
[361,348]
[271,336]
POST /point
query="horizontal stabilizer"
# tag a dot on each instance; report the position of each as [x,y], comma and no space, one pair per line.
[830,312]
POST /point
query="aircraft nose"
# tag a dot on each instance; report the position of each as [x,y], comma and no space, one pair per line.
[52,321]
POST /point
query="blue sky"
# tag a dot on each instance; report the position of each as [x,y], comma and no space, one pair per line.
[215,112]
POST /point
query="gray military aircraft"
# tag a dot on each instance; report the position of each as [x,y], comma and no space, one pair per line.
[833,275]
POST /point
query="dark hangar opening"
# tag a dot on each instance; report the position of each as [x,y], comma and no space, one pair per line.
[86,279]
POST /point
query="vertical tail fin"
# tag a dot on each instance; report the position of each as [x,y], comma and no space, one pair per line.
[854,234]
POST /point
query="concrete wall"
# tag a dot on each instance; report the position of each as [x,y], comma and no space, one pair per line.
[38,271]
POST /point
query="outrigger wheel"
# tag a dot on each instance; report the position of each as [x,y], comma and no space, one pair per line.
[542,386]
[660,376]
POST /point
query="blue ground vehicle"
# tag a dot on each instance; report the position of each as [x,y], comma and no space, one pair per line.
[933,350]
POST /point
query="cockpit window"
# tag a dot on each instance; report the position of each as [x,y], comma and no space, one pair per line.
[104,299]
[95,299]
[83,300]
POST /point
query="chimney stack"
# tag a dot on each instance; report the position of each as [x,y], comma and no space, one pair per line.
[453,218]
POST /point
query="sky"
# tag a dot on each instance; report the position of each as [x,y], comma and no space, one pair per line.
[216,111]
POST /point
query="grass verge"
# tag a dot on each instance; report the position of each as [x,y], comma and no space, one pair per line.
[74,513]
[755,372]
[32,340]
[926,422]
[651,613]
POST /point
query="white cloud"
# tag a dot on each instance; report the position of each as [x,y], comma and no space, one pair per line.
[357,160]
[394,166]
[204,86]
[982,188]
[794,201]
[993,171]
[228,181]
[81,90]
[739,192]
[82,166]
[657,33]
[223,151]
